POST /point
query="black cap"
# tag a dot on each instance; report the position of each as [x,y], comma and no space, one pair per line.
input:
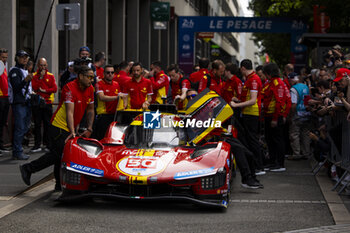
[21,53]
[292,75]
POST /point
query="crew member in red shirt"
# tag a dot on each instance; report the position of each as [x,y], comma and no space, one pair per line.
[179,87]
[212,80]
[123,75]
[232,87]
[251,106]
[44,85]
[100,59]
[107,92]
[195,77]
[4,98]
[160,83]
[137,92]
[274,102]
[77,96]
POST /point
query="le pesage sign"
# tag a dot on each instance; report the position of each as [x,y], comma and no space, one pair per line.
[189,25]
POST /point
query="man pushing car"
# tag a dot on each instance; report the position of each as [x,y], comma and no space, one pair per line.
[77,97]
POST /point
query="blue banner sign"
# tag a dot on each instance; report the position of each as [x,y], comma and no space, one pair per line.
[189,25]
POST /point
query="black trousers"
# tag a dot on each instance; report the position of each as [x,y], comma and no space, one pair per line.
[251,126]
[41,115]
[57,137]
[244,158]
[4,110]
[101,125]
[275,141]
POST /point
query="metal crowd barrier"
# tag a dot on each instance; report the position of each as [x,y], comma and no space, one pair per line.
[339,136]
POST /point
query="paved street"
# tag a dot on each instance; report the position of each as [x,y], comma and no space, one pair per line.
[290,201]
[11,182]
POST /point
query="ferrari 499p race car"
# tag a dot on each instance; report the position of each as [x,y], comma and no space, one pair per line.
[158,156]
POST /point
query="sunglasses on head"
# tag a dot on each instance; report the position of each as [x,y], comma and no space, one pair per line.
[191,96]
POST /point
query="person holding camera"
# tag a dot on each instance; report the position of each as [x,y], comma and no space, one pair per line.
[342,81]
[20,88]
[71,71]
[44,85]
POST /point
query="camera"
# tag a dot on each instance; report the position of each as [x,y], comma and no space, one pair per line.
[316,132]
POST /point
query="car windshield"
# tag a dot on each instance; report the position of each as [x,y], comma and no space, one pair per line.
[138,136]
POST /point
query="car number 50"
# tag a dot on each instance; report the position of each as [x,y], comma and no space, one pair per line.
[141,163]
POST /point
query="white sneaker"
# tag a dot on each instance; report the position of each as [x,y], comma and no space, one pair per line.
[260,172]
[35,149]
[281,169]
[3,150]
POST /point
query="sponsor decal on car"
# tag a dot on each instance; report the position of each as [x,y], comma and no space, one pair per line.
[193,174]
[143,152]
[224,203]
[86,170]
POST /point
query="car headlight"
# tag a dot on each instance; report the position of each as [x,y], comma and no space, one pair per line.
[94,148]
[215,181]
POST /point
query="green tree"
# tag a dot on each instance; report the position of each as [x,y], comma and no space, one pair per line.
[278,45]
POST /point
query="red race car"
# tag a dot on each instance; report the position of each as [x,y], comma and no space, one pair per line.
[158,156]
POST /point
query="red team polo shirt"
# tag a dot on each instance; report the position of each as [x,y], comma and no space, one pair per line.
[48,83]
[215,84]
[232,88]
[177,90]
[108,89]
[160,85]
[197,76]
[274,98]
[4,87]
[99,72]
[72,93]
[252,84]
[137,91]
[122,77]
[286,82]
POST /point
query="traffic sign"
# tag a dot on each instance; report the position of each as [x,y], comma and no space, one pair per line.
[160,11]
[68,15]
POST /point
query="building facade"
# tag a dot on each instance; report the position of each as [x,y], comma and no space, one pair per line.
[121,28]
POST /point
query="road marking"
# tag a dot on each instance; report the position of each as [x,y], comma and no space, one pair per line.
[278,201]
[27,197]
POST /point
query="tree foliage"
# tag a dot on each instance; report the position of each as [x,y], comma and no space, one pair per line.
[278,45]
